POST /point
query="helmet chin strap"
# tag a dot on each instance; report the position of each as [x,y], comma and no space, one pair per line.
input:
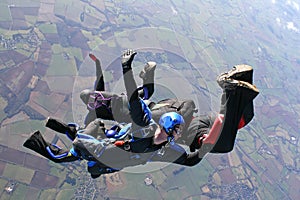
[170,137]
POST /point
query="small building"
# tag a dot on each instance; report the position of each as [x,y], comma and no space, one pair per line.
[148,181]
[10,188]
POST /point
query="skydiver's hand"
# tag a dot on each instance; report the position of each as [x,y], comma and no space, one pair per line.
[127,58]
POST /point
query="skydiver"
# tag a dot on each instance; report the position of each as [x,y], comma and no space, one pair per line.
[147,141]
[112,106]
[36,141]
[115,107]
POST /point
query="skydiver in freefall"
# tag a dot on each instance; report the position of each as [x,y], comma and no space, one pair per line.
[146,140]
[112,106]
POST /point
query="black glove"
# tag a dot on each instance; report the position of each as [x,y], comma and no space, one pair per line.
[127,58]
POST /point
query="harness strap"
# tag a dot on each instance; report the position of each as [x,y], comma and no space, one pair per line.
[159,105]
[60,156]
[99,100]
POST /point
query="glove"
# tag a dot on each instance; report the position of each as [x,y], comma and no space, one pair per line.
[127,58]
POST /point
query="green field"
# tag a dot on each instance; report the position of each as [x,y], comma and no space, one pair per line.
[65,194]
[61,66]
[48,194]
[19,173]
[19,192]
[136,188]
[27,126]
[5,14]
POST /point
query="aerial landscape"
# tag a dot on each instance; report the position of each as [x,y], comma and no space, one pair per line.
[44,64]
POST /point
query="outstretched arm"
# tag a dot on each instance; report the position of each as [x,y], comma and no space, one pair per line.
[175,153]
[130,84]
[139,111]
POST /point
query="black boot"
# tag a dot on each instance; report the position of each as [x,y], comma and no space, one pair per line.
[37,143]
[61,127]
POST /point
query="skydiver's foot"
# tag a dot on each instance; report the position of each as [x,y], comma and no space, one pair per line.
[240,72]
[30,142]
[148,70]
[36,143]
[93,57]
[127,58]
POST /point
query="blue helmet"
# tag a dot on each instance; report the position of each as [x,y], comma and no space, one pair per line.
[169,120]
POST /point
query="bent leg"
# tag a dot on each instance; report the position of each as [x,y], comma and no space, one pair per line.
[242,72]
[234,102]
[61,127]
[147,74]
[90,117]
[99,83]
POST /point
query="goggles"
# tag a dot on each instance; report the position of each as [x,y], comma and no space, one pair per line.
[178,129]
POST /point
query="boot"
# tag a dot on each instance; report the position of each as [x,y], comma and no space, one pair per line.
[93,57]
[239,72]
[147,74]
[37,143]
[58,126]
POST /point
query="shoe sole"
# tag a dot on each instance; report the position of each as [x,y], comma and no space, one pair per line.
[248,86]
